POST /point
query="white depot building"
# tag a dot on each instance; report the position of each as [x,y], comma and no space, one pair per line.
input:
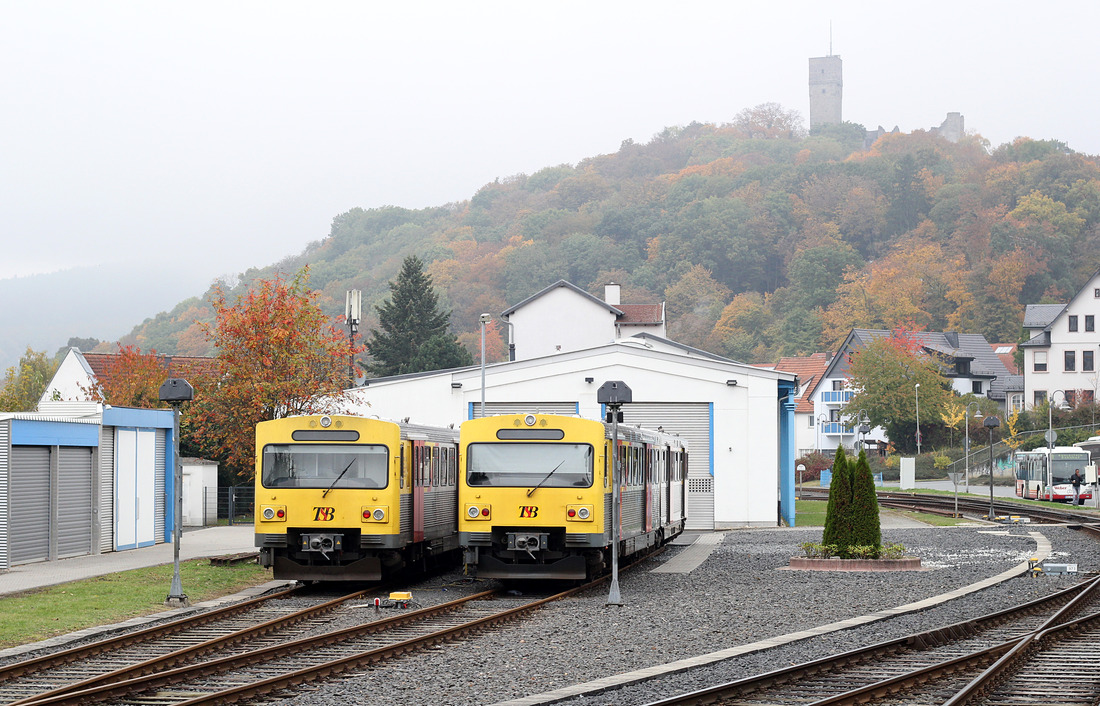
[738,420]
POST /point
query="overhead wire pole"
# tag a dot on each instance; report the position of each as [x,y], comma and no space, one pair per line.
[614,394]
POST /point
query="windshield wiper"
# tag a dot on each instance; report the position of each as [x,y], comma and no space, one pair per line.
[545,479]
[352,463]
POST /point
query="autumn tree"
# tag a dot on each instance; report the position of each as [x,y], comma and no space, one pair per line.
[278,356]
[25,383]
[130,379]
[885,373]
[414,336]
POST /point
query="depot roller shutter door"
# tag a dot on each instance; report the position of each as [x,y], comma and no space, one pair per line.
[106,498]
[160,484]
[494,408]
[74,501]
[5,507]
[30,504]
[691,420]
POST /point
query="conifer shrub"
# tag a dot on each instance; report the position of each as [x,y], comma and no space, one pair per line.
[838,521]
[866,528]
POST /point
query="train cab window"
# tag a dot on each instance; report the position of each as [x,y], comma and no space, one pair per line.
[325,466]
[529,465]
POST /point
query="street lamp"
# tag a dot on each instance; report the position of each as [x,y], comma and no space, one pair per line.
[821,420]
[991,423]
[485,319]
[1051,437]
[966,448]
[864,427]
[916,399]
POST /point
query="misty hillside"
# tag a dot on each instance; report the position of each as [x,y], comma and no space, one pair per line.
[45,311]
[763,241]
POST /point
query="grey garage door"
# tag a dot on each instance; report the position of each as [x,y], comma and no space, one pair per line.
[691,420]
[74,501]
[30,504]
[567,408]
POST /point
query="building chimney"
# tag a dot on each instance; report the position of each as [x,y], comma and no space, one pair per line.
[611,294]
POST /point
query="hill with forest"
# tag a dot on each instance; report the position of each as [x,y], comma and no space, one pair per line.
[762,239]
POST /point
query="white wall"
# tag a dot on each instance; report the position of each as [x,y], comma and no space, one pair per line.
[70,375]
[541,328]
[1062,340]
[746,418]
[200,485]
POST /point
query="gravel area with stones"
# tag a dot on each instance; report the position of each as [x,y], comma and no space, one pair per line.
[739,595]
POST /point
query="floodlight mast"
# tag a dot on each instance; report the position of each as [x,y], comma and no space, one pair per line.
[614,394]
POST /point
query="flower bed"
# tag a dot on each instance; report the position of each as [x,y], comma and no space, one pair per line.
[805,563]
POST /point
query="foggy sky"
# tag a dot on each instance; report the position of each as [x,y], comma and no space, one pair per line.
[217,136]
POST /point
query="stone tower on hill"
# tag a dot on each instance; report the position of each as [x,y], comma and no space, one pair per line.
[826,90]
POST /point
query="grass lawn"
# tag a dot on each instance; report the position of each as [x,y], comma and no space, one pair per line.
[56,610]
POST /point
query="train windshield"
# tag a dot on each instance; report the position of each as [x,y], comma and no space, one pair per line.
[1064,464]
[325,466]
[522,465]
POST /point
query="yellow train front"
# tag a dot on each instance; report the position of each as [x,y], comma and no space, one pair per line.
[535,495]
[342,498]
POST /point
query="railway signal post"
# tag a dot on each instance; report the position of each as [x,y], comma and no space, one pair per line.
[614,394]
[176,391]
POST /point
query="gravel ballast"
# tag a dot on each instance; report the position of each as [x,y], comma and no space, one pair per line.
[739,595]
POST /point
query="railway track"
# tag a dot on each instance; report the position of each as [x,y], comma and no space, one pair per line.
[250,649]
[1007,657]
[945,505]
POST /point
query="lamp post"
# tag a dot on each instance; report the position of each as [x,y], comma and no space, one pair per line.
[485,319]
[966,448]
[821,420]
[916,400]
[1051,437]
[176,391]
[864,428]
[991,423]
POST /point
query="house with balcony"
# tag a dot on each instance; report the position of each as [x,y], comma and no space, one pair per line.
[966,359]
[1060,357]
[809,370]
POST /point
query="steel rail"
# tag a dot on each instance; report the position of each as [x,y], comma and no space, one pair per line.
[194,651]
[73,654]
[1068,601]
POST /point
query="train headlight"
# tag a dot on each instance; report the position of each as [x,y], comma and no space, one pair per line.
[273,513]
[375,514]
[326,422]
[478,512]
[578,513]
[529,420]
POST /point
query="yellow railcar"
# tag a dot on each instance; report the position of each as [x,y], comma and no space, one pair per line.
[535,495]
[342,498]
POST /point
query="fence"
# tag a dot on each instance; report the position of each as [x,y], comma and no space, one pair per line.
[233,505]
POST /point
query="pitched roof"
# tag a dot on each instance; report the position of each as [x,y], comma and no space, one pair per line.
[641,314]
[184,366]
[1041,315]
[972,346]
[810,371]
[1007,353]
[567,285]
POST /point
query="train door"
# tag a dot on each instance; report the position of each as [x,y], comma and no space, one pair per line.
[419,472]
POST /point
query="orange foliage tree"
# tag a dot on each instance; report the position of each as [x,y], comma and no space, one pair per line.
[278,356]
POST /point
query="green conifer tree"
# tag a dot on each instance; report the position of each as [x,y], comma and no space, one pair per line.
[413,334]
[866,528]
[838,529]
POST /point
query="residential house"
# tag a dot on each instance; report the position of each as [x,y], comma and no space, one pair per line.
[810,371]
[966,359]
[1060,357]
[590,320]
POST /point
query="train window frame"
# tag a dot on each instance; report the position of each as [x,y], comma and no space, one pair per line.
[308,475]
[486,465]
